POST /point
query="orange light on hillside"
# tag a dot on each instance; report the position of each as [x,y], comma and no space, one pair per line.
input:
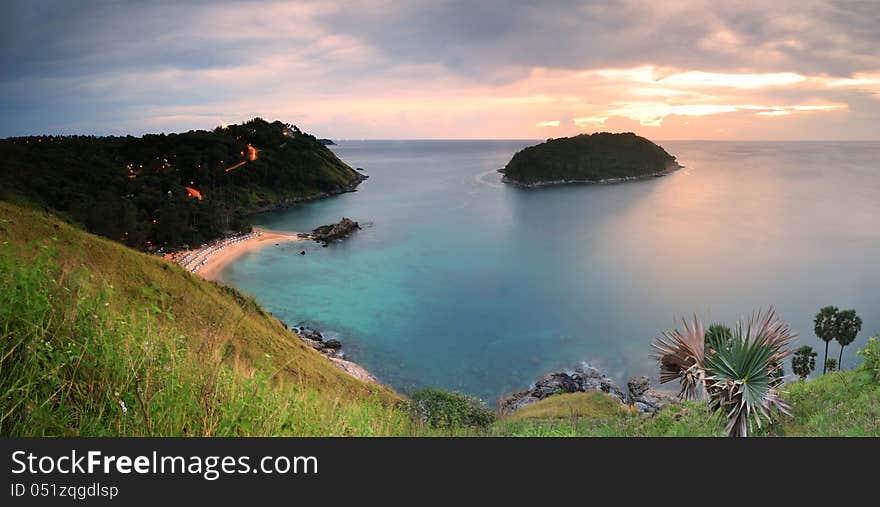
[252,152]
[236,166]
[191,192]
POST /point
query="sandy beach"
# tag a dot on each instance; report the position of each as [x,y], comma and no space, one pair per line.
[212,263]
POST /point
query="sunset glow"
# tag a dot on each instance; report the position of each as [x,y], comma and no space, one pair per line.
[373,70]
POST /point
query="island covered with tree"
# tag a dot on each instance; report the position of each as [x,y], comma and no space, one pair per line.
[172,190]
[588,158]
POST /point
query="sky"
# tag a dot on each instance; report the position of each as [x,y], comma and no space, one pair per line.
[375,69]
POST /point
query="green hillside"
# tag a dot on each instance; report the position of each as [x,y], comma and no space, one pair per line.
[88,325]
[172,190]
[588,158]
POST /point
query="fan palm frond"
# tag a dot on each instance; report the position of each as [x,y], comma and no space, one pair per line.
[681,355]
[741,380]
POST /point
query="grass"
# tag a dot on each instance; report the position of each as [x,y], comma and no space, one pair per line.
[841,404]
[597,415]
[89,327]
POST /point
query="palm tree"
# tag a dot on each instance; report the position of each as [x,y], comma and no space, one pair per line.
[681,356]
[825,327]
[804,362]
[741,380]
[718,336]
[848,326]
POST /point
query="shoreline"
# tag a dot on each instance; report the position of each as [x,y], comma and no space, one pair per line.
[293,201]
[607,181]
[208,261]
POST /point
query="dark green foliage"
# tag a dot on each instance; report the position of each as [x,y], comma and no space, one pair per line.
[804,362]
[446,409]
[841,325]
[848,326]
[133,189]
[825,327]
[718,337]
[871,353]
[777,370]
[586,157]
[830,364]
[741,378]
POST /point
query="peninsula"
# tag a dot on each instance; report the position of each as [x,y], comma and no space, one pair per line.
[169,192]
[588,158]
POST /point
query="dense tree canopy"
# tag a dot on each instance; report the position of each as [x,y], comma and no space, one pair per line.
[171,190]
[588,158]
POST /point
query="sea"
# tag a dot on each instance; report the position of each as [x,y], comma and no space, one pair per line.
[459,281]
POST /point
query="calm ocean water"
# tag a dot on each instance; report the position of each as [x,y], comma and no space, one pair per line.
[461,282]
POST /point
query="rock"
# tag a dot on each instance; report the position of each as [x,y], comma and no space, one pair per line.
[309,334]
[333,344]
[645,399]
[652,401]
[319,346]
[584,378]
[327,233]
[638,386]
[303,252]
[587,379]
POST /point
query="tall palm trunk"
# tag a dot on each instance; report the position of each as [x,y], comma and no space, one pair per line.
[825,363]
[840,359]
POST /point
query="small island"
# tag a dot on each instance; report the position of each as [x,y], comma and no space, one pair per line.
[588,158]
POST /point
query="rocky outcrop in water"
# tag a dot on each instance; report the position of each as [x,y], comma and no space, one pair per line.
[315,339]
[587,379]
[328,233]
[330,348]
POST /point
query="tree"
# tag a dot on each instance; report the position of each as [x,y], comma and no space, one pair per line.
[848,326]
[804,362]
[830,364]
[825,327]
[741,380]
[718,337]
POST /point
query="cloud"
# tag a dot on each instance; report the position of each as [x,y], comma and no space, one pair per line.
[496,41]
[376,68]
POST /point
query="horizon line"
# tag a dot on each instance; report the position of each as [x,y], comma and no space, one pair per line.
[542,139]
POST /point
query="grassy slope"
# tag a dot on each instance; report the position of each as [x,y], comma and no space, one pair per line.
[154,321]
[838,404]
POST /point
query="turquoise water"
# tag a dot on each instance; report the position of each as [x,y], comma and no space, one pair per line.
[461,282]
